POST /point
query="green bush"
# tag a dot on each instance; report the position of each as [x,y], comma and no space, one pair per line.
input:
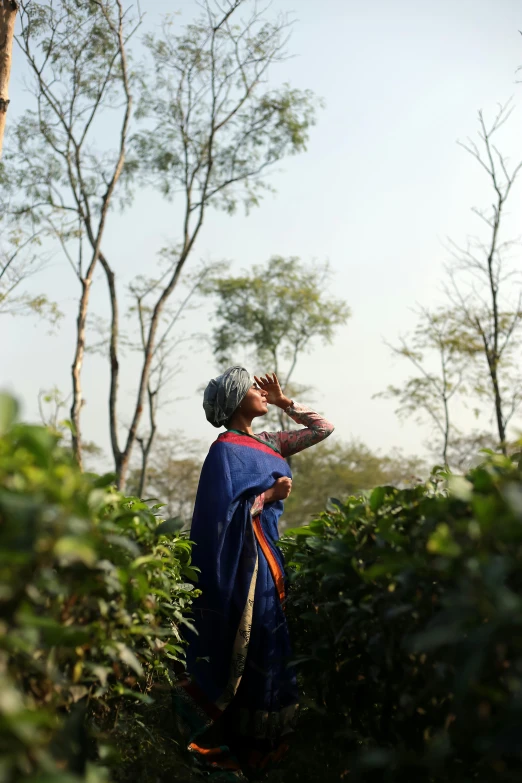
[93,600]
[407,615]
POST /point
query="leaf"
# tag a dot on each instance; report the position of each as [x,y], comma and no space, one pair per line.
[441,542]
[126,656]
[75,549]
[169,527]
[143,697]
[300,531]
[377,498]
[106,480]
[78,692]
[334,503]
[102,673]
[460,487]
[8,412]
[124,542]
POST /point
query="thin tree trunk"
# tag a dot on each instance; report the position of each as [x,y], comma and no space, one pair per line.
[146,447]
[145,373]
[76,370]
[446,430]
[115,366]
[96,245]
[150,345]
[8,11]
[445,403]
[499,412]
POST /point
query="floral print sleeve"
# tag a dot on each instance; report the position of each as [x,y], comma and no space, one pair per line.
[292,442]
[258,504]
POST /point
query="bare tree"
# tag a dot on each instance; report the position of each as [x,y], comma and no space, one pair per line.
[163,369]
[8,12]
[485,290]
[436,351]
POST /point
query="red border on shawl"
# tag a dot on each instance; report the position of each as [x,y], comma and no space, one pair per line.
[246,440]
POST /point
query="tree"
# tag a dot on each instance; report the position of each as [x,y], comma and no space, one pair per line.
[77,54]
[19,261]
[162,370]
[173,475]
[437,351]
[276,312]
[465,450]
[8,12]
[340,470]
[212,131]
[52,406]
[216,131]
[487,303]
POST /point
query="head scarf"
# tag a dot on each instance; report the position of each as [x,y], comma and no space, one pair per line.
[224,393]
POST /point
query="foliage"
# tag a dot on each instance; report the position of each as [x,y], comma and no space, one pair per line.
[276,311]
[484,286]
[440,352]
[341,470]
[93,598]
[173,475]
[217,127]
[19,262]
[406,609]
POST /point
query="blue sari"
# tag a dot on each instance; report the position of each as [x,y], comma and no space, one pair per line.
[236,705]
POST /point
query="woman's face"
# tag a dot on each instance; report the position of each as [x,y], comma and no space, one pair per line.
[254,403]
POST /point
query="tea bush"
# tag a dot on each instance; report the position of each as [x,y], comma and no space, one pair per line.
[93,600]
[407,614]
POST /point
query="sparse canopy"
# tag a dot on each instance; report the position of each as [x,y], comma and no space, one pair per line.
[276,312]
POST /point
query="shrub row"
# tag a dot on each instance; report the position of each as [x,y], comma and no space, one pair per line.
[93,600]
[407,614]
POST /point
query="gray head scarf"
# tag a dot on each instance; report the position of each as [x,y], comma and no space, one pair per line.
[224,393]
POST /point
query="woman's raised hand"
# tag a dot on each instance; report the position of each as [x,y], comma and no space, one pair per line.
[270,384]
[279,491]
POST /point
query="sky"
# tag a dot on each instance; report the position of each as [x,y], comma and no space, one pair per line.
[380,189]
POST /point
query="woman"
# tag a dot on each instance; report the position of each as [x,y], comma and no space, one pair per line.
[237,704]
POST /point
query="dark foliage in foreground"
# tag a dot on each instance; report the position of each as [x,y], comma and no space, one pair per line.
[93,600]
[407,614]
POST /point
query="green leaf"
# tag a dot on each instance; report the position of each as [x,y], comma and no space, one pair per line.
[170,527]
[75,549]
[126,656]
[377,498]
[8,412]
[441,542]
[106,480]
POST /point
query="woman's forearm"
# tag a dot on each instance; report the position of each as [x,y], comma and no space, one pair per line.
[283,402]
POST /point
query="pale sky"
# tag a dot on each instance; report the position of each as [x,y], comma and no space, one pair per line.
[381,187]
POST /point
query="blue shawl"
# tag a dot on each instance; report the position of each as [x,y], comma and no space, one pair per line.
[238,660]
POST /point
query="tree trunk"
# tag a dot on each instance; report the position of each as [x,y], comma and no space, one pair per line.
[8,11]
[499,414]
[76,370]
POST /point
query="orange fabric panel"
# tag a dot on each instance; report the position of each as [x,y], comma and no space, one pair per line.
[272,562]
